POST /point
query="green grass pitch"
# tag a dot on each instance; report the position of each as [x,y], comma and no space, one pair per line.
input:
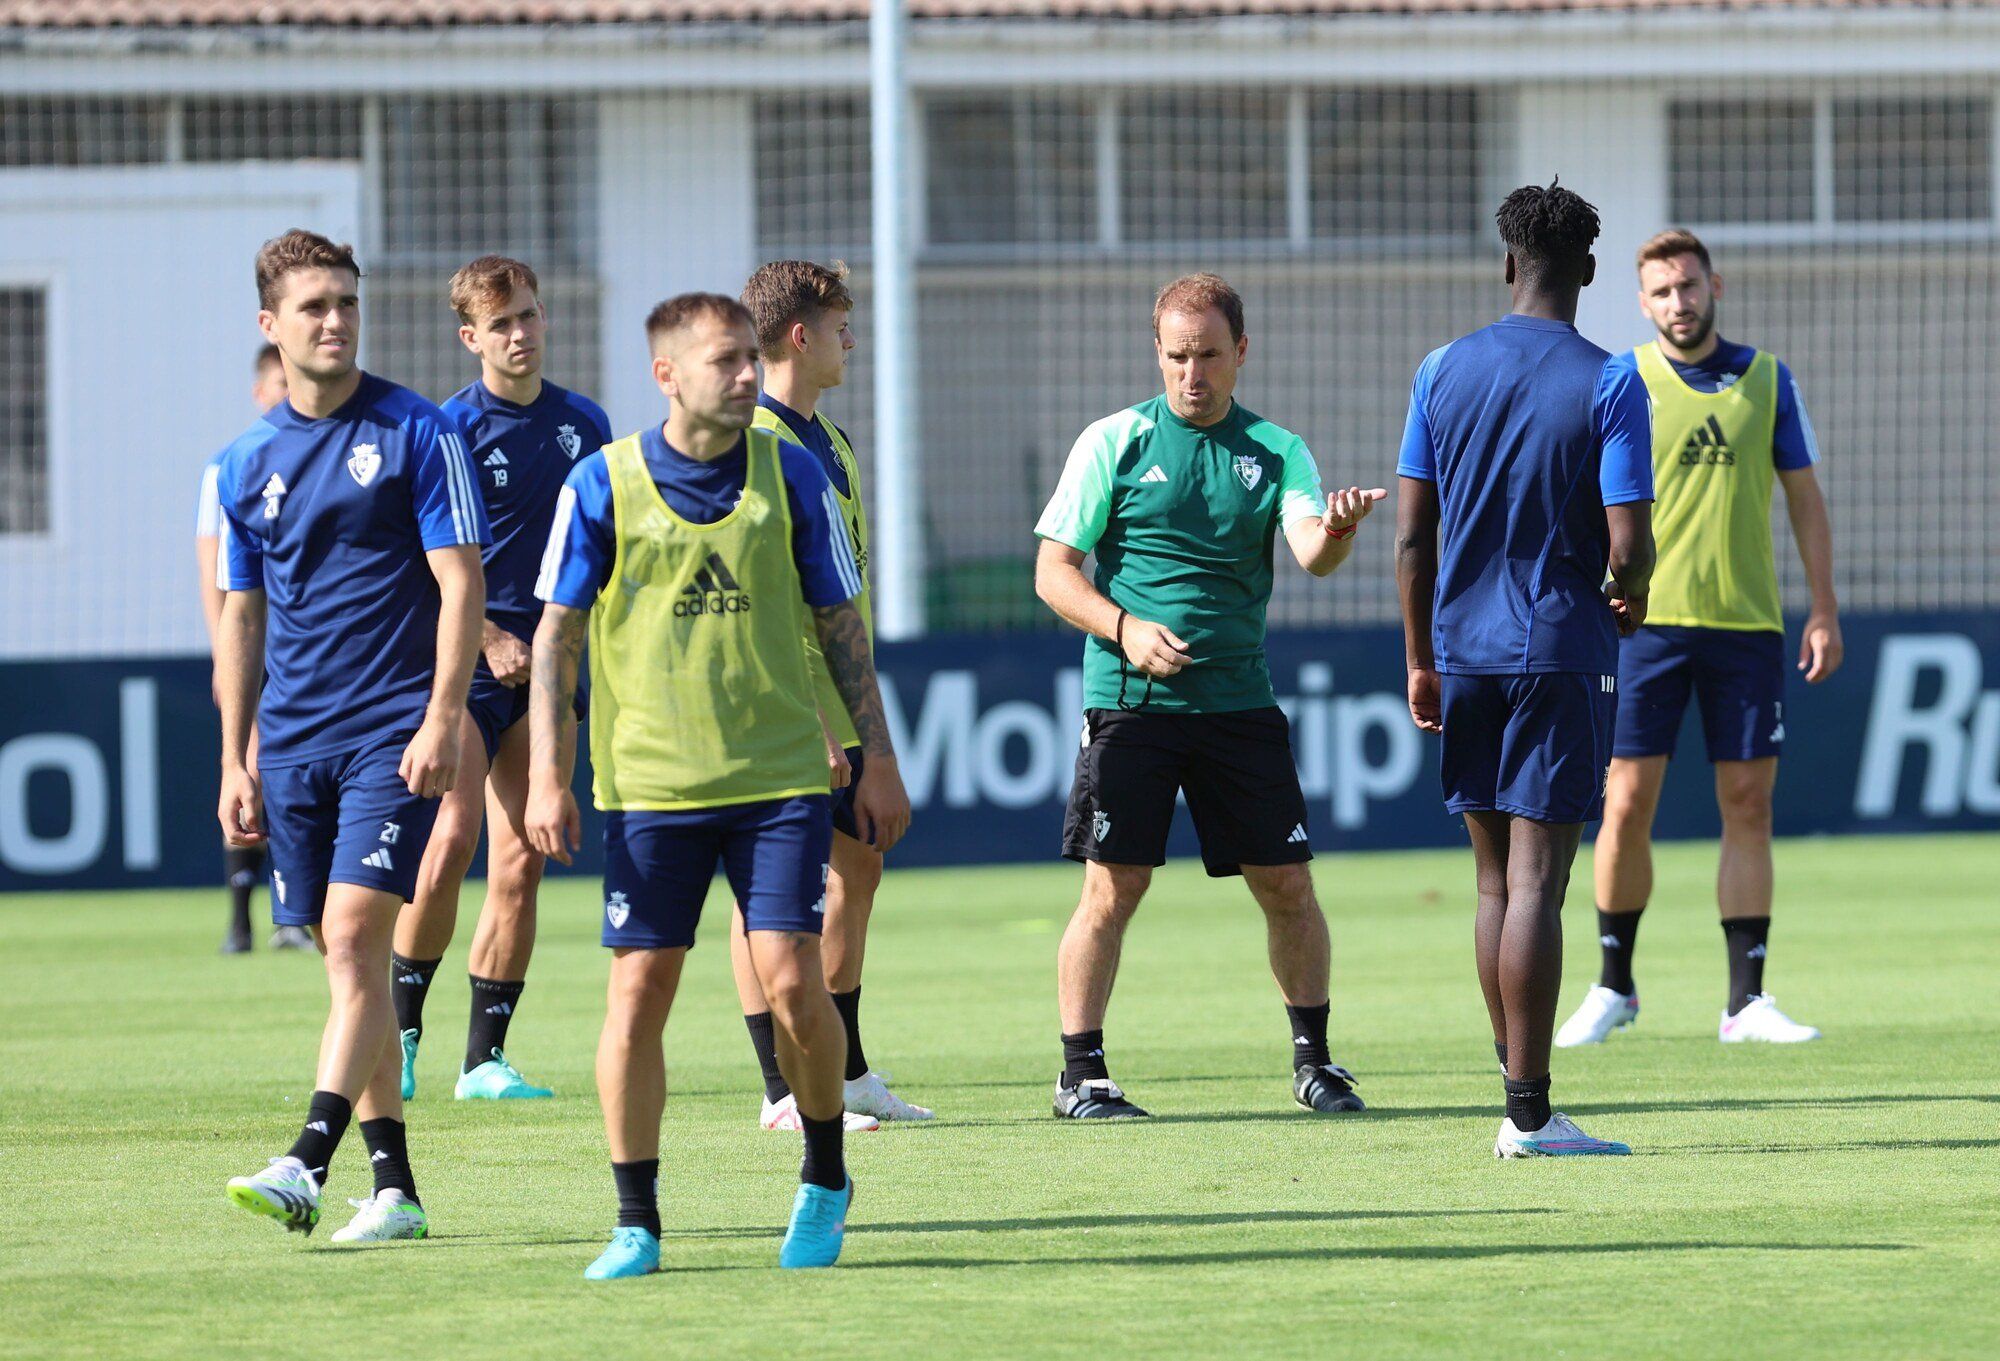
[1837,1199]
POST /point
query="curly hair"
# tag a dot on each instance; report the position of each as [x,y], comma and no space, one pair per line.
[297,249]
[1548,232]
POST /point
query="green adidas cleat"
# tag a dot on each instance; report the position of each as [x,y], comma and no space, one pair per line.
[410,1038]
[497,1080]
[285,1191]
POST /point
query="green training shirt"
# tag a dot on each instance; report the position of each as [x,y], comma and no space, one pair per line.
[1182,518]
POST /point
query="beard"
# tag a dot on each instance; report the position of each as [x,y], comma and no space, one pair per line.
[1703,328]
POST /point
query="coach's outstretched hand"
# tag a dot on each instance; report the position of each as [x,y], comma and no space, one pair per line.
[1153,648]
[430,763]
[555,826]
[1349,507]
[241,810]
[881,806]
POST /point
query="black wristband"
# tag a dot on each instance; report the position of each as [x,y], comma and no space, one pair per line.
[1118,634]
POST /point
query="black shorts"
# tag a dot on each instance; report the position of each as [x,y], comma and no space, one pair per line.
[1236,769]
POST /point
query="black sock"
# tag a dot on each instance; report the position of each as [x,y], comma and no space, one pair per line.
[409,984]
[1746,937]
[241,864]
[1617,932]
[493,1005]
[638,1195]
[389,1155]
[764,1039]
[1083,1057]
[824,1163]
[1500,1052]
[848,1004]
[1309,1035]
[326,1121]
[1528,1103]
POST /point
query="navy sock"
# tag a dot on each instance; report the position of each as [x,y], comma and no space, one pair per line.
[825,1163]
[1617,933]
[1747,938]
[1083,1057]
[1528,1103]
[764,1039]
[493,1005]
[389,1155]
[848,1004]
[638,1194]
[326,1122]
[1309,1035]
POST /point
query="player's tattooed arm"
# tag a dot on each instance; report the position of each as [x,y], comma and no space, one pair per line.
[554,825]
[843,638]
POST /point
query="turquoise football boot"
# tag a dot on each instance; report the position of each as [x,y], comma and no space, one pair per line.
[497,1080]
[410,1038]
[819,1223]
[633,1252]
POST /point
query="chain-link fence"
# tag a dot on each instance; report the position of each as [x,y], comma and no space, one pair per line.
[1854,224]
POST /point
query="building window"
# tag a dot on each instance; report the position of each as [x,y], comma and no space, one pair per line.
[24,411]
[1912,160]
[812,174]
[265,129]
[1205,165]
[1741,160]
[1010,170]
[1395,163]
[92,130]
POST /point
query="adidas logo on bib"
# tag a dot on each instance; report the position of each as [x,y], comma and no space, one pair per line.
[714,590]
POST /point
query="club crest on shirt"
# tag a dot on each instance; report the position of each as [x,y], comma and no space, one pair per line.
[569,441]
[364,463]
[1249,471]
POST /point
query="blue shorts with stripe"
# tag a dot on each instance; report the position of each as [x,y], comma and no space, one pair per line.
[1535,746]
[658,868]
[495,707]
[346,819]
[1736,676]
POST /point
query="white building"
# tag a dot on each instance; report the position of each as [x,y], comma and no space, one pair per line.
[1338,160]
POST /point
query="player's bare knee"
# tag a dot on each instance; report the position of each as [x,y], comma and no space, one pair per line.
[1284,891]
[1745,803]
[1111,893]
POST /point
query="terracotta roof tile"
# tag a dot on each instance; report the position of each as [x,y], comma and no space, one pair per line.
[88,14]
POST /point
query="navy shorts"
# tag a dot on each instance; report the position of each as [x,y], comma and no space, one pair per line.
[346,819]
[1736,676]
[843,799]
[658,867]
[1535,746]
[495,707]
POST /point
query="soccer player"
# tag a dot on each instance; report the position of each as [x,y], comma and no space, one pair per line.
[690,556]
[351,535]
[522,434]
[1525,470]
[801,310]
[242,866]
[1180,497]
[1727,419]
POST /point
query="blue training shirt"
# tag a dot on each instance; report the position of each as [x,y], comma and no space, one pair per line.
[1793,444]
[331,518]
[815,439]
[520,457]
[1529,432]
[577,565]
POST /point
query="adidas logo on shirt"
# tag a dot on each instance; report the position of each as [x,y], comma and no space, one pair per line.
[381,860]
[714,590]
[1707,446]
[1154,474]
[1298,833]
[496,459]
[273,489]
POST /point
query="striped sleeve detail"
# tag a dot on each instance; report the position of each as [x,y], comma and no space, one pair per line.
[458,485]
[223,534]
[1805,422]
[552,555]
[208,505]
[837,542]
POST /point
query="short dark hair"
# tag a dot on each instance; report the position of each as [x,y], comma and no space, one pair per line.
[297,249]
[1548,232]
[268,357]
[787,291]
[1197,293]
[1676,241]
[488,283]
[683,309]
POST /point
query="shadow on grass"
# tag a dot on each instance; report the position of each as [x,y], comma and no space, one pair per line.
[1413,1252]
[1043,1223]
[1682,1104]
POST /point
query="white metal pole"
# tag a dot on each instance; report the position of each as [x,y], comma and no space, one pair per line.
[898,566]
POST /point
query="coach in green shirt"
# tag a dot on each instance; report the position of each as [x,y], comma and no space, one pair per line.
[1180,498]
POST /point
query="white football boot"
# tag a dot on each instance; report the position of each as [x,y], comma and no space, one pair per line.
[383,1218]
[1559,1138]
[785,1115]
[1603,1011]
[870,1095]
[1761,1020]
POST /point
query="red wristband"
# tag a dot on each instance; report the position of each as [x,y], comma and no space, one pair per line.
[1346,533]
